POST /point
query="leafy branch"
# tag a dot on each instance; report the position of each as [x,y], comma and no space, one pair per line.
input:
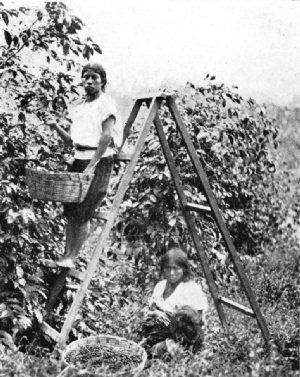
[25,43]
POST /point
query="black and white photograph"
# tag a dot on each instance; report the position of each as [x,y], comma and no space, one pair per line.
[149,188]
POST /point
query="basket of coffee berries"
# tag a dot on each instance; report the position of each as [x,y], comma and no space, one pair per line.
[106,355]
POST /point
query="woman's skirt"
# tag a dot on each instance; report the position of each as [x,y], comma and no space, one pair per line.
[155,329]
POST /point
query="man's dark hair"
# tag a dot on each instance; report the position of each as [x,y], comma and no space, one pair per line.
[98,68]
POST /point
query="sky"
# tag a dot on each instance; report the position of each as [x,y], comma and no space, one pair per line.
[254,45]
[148,44]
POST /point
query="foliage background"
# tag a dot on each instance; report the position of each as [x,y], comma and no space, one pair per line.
[31,230]
[243,147]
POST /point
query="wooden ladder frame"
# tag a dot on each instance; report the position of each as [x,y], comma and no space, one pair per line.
[153,103]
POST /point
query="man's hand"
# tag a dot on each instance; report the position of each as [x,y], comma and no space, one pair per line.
[89,169]
[49,120]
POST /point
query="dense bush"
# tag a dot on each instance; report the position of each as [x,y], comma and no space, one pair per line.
[29,229]
[235,142]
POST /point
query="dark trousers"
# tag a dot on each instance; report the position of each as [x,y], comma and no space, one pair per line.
[83,211]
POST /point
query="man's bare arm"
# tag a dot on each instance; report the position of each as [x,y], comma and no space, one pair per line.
[50,121]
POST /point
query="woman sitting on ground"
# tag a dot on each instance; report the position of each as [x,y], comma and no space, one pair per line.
[177,308]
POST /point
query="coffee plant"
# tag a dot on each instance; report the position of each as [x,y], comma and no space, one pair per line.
[42,51]
[236,144]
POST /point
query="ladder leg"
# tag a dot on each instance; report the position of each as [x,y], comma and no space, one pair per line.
[190,223]
[133,114]
[218,217]
[155,104]
[55,291]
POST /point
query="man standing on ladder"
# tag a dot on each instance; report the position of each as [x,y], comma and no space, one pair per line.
[94,135]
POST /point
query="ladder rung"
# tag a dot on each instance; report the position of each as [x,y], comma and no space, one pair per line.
[122,157]
[50,331]
[72,272]
[73,287]
[235,305]
[79,275]
[197,207]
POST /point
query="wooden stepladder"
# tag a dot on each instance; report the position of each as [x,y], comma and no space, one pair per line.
[153,103]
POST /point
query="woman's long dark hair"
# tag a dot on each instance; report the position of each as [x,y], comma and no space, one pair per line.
[179,257]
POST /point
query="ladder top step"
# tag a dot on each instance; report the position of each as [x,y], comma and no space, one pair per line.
[50,331]
[150,95]
[102,215]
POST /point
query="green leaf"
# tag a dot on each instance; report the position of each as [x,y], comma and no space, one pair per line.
[86,52]
[7,339]
[7,37]
[66,48]
[97,48]
[5,17]
[39,15]
[38,315]
[15,40]
[153,198]
[22,117]
[172,222]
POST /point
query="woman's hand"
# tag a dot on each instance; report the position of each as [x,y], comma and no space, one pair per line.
[159,316]
[157,313]
[159,349]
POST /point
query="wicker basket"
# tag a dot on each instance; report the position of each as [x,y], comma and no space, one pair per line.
[113,342]
[58,187]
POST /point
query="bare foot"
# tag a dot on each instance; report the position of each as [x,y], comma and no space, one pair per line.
[66,262]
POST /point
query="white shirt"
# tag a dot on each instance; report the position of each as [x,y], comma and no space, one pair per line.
[186,293]
[86,127]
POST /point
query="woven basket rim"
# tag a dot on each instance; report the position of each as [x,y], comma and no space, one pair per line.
[76,343]
[65,187]
[54,173]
